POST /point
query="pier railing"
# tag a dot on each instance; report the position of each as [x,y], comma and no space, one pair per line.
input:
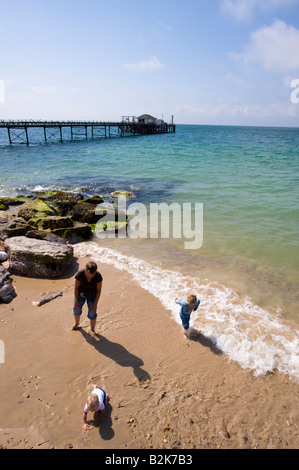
[18,131]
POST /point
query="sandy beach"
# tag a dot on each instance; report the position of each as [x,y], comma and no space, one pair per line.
[165,391]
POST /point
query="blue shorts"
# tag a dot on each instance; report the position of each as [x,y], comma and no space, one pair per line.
[92,314]
[185,320]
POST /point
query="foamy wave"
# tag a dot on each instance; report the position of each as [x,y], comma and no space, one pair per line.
[244,331]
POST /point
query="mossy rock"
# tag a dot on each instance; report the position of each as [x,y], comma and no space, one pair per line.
[51,222]
[111,215]
[44,235]
[74,234]
[127,194]
[96,199]
[14,201]
[85,212]
[3,207]
[36,209]
[13,227]
[109,226]
[61,196]
[63,200]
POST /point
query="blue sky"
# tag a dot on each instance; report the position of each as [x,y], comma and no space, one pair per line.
[204,61]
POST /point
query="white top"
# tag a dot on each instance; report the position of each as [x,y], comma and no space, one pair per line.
[101,395]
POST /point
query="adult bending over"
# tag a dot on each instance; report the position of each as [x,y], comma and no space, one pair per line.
[88,287]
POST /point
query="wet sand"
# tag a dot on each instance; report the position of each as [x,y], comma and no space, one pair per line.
[165,391]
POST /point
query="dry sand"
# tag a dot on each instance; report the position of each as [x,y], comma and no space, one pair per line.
[165,391]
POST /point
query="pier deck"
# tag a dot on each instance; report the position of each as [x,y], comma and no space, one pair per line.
[18,131]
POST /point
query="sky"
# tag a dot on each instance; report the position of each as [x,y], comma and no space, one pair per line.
[211,62]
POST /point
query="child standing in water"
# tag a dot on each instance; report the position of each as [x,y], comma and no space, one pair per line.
[188,306]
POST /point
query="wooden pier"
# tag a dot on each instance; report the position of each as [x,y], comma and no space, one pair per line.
[19,131]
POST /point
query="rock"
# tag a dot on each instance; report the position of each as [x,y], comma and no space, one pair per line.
[109,227]
[51,222]
[45,235]
[111,215]
[85,212]
[96,199]
[36,209]
[13,227]
[3,207]
[128,194]
[14,201]
[31,257]
[63,200]
[74,234]
[7,291]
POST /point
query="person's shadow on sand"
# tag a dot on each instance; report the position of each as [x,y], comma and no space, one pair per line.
[104,423]
[197,336]
[117,353]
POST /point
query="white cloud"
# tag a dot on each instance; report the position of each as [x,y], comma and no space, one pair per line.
[275,47]
[239,9]
[151,64]
[235,113]
[44,90]
[244,10]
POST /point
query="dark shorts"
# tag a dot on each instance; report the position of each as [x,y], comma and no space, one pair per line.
[185,320]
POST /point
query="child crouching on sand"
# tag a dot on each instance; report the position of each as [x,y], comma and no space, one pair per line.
[96,401]
[188,306]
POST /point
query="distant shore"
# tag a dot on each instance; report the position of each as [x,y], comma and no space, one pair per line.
[165,391]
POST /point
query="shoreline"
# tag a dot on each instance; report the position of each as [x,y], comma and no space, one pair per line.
[165,392]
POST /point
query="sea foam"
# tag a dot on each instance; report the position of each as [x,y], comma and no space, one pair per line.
[246,333]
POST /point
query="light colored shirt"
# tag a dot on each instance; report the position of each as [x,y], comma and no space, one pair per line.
[101,396]
[186,309]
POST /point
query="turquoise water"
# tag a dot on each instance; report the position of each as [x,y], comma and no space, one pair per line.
[245,177]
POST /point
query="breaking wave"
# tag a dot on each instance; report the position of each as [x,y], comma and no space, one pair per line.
[246,333]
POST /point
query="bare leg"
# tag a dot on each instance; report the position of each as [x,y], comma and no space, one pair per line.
[185,334]
[92,325]
[77,321]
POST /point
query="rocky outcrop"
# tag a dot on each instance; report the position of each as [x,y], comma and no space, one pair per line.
[64,201]
[36,209]
[63,214]
[13,227]
[14,201]
[45,235]
[31,257]
[7,291]
[74,234]
[37,231]
[51,222]
[85,212]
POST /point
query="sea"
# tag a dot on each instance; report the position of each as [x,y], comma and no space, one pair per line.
[244,266]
